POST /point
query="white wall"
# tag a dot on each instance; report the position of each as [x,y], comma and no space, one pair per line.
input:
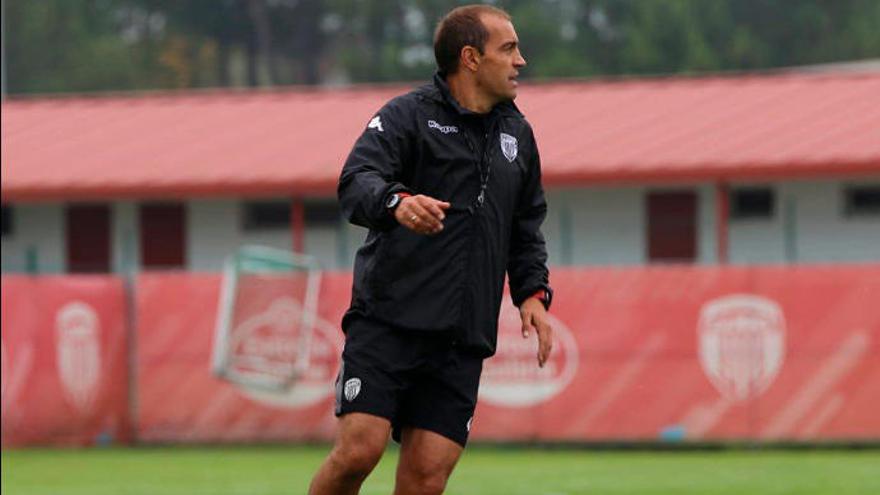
[607,226]
[707,224]
[808,225]
[124,228]
[214,231]
[584,226]
[759,240]
[823,233]
[37,227]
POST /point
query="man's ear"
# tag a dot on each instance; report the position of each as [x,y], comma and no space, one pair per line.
[470,58]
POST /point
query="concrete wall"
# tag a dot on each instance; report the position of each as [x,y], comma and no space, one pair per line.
[584,226]
[39,233]
[822,232]
[607,226]
[124,228]
[595,226]
[215,231]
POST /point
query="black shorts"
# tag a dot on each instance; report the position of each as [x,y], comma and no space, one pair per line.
[413,379]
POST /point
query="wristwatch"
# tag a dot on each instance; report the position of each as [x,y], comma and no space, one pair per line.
[545,296]
[394,200]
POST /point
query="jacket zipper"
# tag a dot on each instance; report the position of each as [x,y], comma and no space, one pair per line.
[468,301]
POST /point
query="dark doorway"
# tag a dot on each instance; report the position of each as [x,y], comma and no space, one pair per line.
[163,235]
[88,238]
[672,227]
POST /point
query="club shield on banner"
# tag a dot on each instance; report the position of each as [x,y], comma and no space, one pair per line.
[78,353]
[65,362]
[742,344]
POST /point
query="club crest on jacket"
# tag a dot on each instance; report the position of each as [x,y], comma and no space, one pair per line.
[508,146]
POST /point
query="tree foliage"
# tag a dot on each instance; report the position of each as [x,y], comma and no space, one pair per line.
[98,45]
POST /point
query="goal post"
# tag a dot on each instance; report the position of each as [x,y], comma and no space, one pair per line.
[266,317]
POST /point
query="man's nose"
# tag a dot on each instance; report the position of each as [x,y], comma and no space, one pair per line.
[519,61]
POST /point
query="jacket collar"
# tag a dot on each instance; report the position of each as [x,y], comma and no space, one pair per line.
[439,92]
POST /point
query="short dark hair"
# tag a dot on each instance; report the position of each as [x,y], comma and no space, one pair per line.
[461,27]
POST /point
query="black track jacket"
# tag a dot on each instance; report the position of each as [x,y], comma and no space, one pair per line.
[424,142]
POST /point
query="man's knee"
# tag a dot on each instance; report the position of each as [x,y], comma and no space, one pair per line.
[424,477]
[429,484]
[355,461]
[360,445]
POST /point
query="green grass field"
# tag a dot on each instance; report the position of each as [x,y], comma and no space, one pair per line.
[482,470]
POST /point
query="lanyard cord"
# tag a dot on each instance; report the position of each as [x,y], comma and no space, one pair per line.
[484,177]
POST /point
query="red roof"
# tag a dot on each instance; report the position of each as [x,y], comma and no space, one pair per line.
[294,141]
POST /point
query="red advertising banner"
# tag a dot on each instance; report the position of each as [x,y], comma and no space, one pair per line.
[180,400]
[647,353]
[694,353]
[64,368]
[684,353]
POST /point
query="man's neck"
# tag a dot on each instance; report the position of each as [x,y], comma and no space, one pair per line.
[467,94]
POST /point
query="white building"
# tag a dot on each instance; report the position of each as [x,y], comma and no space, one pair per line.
[760,169]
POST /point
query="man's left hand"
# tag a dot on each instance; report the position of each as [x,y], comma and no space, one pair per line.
[534,316]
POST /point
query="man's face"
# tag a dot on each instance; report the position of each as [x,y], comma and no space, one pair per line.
[501,59]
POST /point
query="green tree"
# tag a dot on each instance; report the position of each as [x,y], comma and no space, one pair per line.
[94,45]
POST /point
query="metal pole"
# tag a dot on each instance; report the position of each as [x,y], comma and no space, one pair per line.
[722,200]
[297,224]
[790,225]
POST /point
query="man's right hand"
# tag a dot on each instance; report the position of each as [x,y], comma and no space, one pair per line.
[421,214]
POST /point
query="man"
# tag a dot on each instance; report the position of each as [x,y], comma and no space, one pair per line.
[447,179]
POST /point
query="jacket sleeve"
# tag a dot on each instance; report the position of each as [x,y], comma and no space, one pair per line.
[374,169]
[527,261]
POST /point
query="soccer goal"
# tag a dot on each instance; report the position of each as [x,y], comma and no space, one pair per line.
[266,317]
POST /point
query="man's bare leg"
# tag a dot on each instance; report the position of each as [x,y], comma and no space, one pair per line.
[426,461]
[360,442]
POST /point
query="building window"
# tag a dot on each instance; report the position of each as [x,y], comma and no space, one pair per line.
[752,203]
[322,213]
[672,227]
[7,221]
[88,238]
[862,201]
[266,215]
[163,235]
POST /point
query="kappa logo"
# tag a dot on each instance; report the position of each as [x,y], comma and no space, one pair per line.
[508,147]
[376,123]
[352,388]
[445,129]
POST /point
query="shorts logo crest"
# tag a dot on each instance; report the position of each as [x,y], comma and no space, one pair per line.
[352,388]
[508,146]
